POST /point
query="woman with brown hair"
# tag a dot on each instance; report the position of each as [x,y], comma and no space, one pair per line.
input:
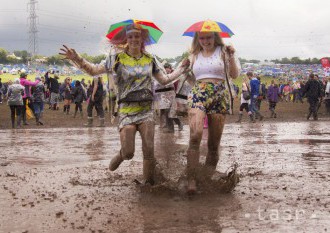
[131,70]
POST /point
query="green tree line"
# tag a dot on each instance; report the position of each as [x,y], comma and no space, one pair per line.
[23,57]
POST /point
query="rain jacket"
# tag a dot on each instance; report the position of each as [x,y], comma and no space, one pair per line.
[15,92]
[27,86]
[255,85]
[312,89]
[38,92]
[272,93]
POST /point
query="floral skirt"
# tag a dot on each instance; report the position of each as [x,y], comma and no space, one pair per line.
[209,97]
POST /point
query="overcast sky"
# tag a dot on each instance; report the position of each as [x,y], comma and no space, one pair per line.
[264,29]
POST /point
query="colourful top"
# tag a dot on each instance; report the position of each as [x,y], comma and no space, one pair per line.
[132,74]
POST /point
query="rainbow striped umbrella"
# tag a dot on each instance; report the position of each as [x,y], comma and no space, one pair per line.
[154,32]
[209,26]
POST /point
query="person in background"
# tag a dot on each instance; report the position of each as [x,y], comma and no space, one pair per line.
[322,87]
[96,100]
[79,95]
[15,101]
[38,96]
[66,88]
[1,91]
[313,93]
[27,95]
[255,88]
[245,102]
[272,96]
[54,89]
[167,104]
[327,95]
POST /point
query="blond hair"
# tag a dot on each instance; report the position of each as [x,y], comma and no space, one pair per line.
[196,47]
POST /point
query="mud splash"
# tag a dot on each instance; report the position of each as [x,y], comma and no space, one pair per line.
[57,180]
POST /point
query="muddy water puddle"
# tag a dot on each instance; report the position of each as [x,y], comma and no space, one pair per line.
[57,180]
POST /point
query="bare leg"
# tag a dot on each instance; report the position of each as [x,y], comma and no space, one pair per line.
[127,140]
[147,132]
[216,125]
[196,123]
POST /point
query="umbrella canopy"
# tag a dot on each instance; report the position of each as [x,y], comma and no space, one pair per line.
[154,32]
[209,26]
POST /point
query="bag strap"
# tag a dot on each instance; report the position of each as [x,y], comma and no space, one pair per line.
[223,55]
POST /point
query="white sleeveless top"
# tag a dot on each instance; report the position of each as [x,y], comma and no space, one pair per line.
[209,67]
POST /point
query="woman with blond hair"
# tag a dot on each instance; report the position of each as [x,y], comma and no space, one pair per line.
[131,70]
[211,61]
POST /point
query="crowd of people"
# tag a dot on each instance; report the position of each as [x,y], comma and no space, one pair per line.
[253,92]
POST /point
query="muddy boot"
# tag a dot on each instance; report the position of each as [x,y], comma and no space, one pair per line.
[315,117]
[89,122]
[252,118]
[12,121]
[101,123]
[309,115]
[81,114]
[37,119]
[24,120]
[75,114]
[179,123]
[148,171]
[19,119]
[192,165]
[239,118]
[67,109]
[64,109]
[115,162]
[261,117]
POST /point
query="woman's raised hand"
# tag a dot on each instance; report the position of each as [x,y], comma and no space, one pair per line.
[230,50]
[185,63]
[69,53]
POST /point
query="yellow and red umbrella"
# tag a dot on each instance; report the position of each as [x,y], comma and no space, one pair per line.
[154,32]
[209,26]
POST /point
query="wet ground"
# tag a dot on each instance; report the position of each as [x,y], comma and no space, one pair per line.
[57,180]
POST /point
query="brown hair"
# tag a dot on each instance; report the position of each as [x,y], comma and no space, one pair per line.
[196,47]
[120,39]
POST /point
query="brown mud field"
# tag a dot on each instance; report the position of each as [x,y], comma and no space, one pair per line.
[55,178]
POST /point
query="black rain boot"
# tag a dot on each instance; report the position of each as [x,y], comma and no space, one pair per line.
[239,118]
[19,119]
[309,115]
[13,121]
[67,109]
[89,122]
[252,118]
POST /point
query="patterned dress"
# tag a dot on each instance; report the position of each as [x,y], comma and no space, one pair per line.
[130,75]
